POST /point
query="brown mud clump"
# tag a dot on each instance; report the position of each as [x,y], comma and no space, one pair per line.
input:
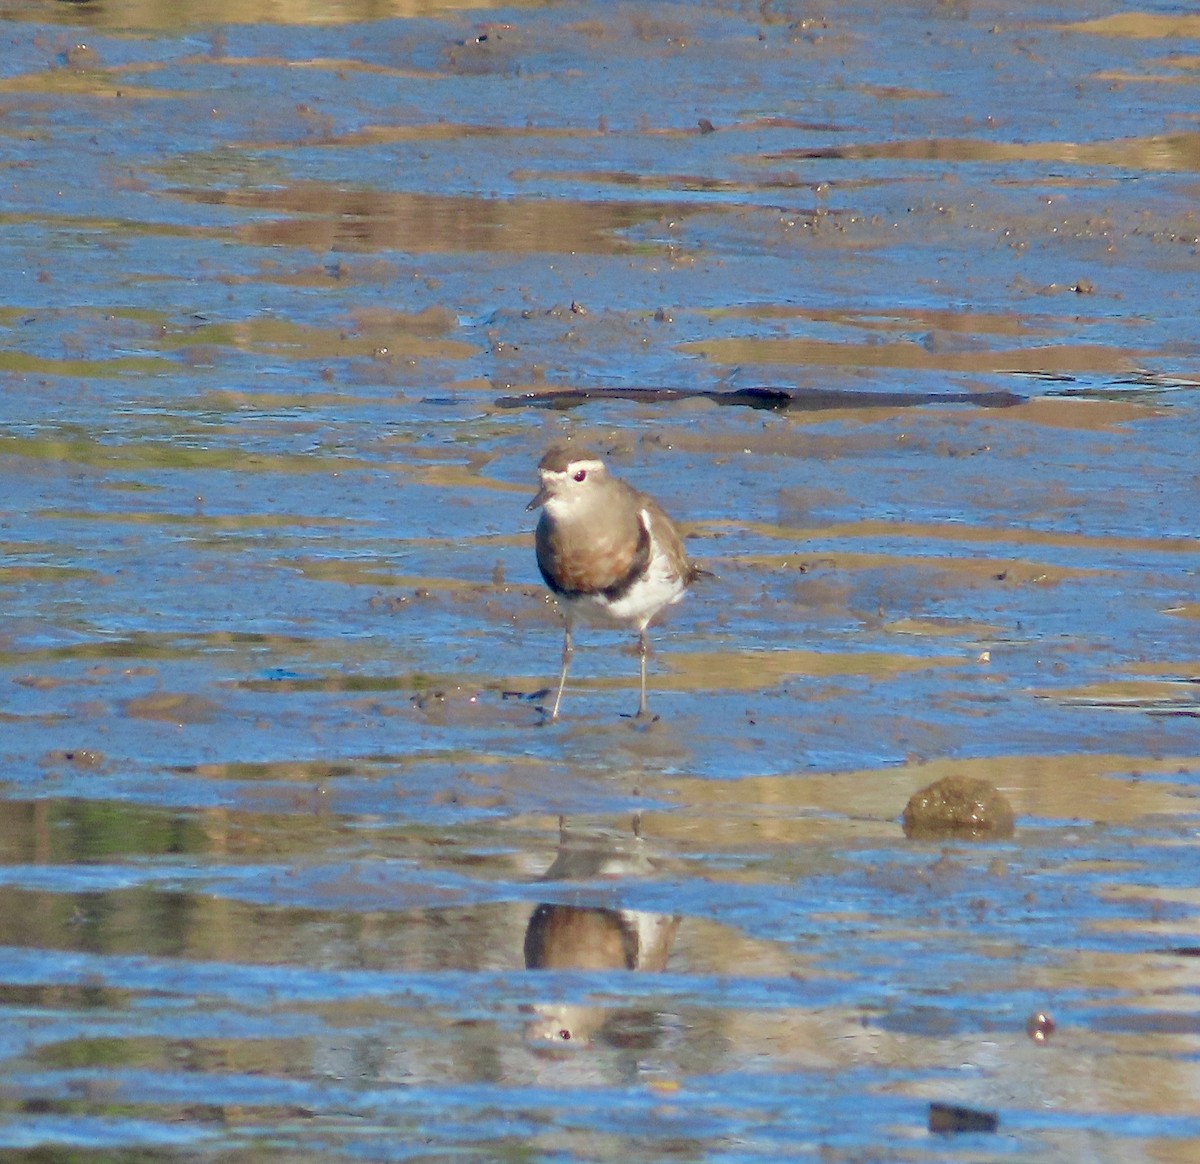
[958,806]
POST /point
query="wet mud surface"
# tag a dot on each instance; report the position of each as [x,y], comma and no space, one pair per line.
[892,307]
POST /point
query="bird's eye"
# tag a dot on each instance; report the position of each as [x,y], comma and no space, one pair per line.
[565,1035]
[581,475]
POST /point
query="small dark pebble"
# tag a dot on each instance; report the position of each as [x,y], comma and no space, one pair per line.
[388,602]
[950,1118]
[80,56]
[1039,1027]
[83,757]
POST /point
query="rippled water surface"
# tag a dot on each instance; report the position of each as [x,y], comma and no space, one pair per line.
[892,306]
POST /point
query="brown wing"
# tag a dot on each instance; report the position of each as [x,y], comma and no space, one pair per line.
[669,539]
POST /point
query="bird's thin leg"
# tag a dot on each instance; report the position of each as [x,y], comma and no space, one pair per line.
[643,709]
[566,663]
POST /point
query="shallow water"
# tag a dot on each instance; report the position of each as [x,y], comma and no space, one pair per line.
[297,295]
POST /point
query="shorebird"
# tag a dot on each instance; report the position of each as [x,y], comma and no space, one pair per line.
[608,552]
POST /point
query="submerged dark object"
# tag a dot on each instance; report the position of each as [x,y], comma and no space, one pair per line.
[958,806]
[950,1118]
[766,397]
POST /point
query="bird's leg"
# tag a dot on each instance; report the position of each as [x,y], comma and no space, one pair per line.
[643,710]
[566,663]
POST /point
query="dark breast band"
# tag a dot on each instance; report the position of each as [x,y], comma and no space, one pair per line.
[618,589]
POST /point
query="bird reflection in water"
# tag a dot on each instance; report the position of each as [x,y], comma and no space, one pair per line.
[595,938]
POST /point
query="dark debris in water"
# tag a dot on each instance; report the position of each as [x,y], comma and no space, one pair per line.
[950,1119]
[772,399]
